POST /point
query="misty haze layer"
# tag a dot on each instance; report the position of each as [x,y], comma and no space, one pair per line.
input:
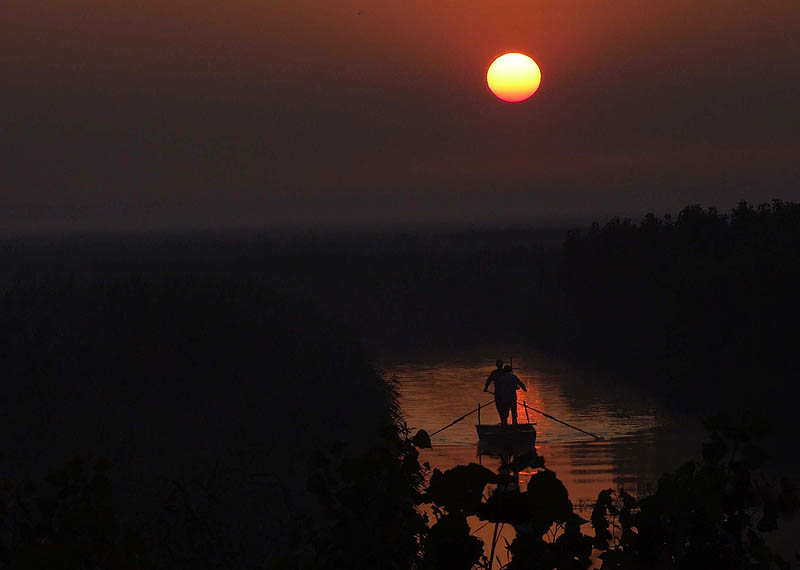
[192,115]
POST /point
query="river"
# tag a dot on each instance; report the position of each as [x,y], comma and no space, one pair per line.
[640,440]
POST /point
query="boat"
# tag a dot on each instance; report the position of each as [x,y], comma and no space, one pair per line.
[506,431]
[518,432]
[511,438]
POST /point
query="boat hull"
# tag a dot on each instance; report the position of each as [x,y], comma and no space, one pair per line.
[512,438]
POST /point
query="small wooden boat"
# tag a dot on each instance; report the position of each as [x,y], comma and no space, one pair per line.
[526,432]
[511,438]
[507,430]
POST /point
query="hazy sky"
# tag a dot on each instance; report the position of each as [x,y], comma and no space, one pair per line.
[261,113]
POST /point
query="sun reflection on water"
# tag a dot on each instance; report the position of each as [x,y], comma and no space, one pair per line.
[631,456]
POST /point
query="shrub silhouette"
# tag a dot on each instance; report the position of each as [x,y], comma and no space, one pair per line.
[711,513]
[69,522]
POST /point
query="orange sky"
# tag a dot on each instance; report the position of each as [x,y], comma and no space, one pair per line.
[186,114]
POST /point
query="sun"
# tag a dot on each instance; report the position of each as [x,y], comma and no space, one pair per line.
[513,77]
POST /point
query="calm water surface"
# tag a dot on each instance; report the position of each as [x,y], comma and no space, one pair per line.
[640,441]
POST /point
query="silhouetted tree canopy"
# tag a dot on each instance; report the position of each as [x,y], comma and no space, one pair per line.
[701,302]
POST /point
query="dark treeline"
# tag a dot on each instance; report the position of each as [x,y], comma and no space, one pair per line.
[397,287]
[158,421]
[701,305]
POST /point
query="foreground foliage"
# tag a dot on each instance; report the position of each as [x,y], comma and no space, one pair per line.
[715,512]
[712,513]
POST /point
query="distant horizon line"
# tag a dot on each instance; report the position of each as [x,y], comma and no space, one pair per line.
[428,227]
[422,227]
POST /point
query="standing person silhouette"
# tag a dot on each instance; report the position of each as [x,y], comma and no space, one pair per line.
[494,375]
[506,384]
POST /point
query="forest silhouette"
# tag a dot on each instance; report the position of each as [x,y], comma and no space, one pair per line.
[703,306]
[162,416]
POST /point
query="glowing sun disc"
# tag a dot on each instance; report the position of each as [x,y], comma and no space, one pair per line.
[513,77]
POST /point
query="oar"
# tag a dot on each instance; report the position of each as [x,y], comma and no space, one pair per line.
[455,421]
[597,437]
